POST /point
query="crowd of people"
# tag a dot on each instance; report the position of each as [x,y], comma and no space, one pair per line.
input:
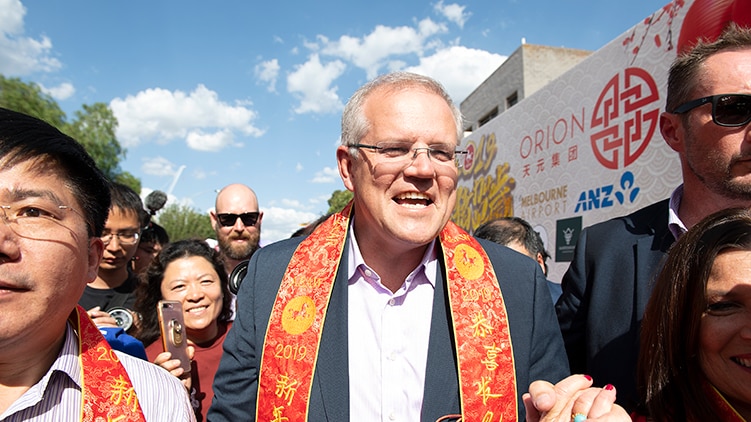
[385,310]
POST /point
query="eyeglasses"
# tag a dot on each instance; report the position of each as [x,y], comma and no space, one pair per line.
[228,219]
[729,110]
[37,219]
[400,152]
[125,238]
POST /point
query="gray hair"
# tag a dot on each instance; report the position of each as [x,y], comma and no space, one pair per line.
[354,124]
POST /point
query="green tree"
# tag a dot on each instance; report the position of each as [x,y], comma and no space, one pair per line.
[94,126]
[339,198]
[185,222]
[29,99]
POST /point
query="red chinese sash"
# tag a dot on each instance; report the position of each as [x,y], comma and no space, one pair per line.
[725,412]
[106,390]
[486,365]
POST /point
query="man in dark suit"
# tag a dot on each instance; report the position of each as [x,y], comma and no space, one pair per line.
[374,315]
[608,284]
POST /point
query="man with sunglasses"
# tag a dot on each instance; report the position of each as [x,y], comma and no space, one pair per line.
[609,280]
[237,223]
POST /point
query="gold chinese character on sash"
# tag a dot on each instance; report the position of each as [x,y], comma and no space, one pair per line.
[122,389]
[481,325]
[491,356]
[483,390]
[285,388]
[278,417]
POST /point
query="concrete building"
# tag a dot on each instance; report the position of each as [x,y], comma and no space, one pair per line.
[526,70]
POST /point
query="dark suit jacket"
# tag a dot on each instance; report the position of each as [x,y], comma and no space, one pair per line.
[605,291]
[536,340]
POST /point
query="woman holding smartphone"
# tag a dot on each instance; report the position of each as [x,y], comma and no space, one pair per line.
[191,273]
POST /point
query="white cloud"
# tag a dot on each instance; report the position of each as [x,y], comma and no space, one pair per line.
[61,92]
[158,166]
[453,12]
[163,116]
[267,72]
[21,55]
[214,141]
[459,69]
[279,223]
[298,167]
[327,175]
[311,82]
[372,51]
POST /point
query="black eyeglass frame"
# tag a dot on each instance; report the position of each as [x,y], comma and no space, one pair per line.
[713,99]
[248,218]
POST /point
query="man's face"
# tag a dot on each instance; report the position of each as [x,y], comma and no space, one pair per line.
[237,241]
[405,204]
[46,258]
[118,252]
[720,157]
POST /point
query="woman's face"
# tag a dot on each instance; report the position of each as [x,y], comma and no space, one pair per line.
[194,282]
[725,330]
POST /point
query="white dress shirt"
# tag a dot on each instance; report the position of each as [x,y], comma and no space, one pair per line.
[388,339]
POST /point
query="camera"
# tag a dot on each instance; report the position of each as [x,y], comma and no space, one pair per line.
[236,276]
[122,316]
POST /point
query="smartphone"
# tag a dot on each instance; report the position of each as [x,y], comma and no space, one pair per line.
[174,336]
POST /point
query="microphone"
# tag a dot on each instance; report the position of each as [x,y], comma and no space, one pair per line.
[155,201]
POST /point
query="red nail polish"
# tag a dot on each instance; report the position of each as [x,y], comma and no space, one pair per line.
[588,377]
[609,387]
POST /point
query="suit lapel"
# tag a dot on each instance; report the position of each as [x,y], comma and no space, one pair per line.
[332,368]
[441,392]
[650,250]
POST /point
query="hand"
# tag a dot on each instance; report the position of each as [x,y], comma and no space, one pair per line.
[574,395]
[101,318]
[173,366]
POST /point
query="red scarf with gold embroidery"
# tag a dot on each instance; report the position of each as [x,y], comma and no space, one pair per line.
[483,345]
[106,390]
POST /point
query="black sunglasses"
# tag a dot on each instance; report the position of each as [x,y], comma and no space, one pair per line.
[729,110]
[228,220]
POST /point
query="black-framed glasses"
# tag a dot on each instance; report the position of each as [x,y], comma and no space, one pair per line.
[729,110]
[403,151]
[125,238]
[229,220]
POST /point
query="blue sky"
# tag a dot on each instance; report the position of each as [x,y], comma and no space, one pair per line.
[212,93]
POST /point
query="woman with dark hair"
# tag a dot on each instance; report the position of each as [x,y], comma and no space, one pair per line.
[191,272]
[695,357]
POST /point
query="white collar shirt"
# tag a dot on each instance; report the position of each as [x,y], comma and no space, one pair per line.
[388,339]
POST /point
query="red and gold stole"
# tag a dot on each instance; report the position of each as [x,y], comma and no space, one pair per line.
[725,412]
[486,364]
[106,390]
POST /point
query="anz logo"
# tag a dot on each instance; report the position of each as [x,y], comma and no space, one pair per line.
[607,196]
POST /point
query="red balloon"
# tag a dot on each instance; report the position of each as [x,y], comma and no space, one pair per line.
[705,19]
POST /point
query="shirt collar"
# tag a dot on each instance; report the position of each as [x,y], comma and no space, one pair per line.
[675,225]
[429,262]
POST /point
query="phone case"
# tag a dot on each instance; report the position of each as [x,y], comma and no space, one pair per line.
[174,336]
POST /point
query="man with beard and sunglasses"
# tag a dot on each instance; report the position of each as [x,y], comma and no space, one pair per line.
[237,222]
[609,281]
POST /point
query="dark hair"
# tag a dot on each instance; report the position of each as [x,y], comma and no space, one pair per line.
[154,233]
[25,138]
[670,376]
[684,72]
[127,200]
[308,228]
[507,230]
[149,291]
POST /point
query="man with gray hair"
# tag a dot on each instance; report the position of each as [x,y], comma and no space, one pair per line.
[387,310]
